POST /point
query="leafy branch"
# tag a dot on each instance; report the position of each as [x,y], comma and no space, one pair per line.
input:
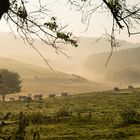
[39,24]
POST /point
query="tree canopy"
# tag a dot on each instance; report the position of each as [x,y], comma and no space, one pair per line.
[10,82]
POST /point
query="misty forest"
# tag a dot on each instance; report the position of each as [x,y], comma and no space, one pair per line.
[70,70]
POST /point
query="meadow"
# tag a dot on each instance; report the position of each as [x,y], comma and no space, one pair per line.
[88,116]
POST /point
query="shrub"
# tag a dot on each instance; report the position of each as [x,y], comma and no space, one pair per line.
[130,116]
[64,112]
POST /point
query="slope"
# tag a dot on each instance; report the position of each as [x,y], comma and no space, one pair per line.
[37,79]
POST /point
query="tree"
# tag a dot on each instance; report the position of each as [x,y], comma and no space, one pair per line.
[10,82]
[5,4]
[39,22]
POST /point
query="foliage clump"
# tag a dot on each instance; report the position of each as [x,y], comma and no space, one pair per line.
[10,82]
[130,116]
[64,112]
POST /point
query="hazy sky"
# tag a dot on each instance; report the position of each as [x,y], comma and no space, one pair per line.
[68,16]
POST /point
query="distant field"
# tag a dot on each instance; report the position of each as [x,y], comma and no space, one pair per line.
[91,116]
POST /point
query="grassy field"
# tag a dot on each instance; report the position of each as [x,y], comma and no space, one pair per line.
[89,116]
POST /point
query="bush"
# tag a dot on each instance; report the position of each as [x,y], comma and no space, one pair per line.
[37,118]
[64,112]
[130,116]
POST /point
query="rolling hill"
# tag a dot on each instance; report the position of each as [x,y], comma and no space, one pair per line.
[19,50]
[83,61]
[40,80]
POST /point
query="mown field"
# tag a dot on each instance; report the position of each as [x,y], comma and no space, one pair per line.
[91,116]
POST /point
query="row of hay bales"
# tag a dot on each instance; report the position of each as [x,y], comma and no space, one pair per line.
[63,94]
[130,88]
[38,97]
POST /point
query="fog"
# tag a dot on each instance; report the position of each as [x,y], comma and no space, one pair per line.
[75,63]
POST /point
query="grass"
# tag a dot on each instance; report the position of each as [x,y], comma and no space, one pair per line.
[86,116]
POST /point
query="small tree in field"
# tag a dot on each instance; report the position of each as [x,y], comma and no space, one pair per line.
[10,82]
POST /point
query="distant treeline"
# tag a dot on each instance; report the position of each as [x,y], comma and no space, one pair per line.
[124,65]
